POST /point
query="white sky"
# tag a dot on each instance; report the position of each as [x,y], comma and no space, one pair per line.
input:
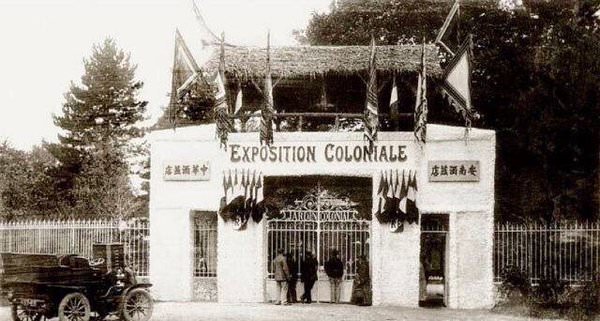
[43,43]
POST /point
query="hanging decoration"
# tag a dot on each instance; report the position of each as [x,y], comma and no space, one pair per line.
[243,197]
[266,121]
[223,122]
[371,117]
[397,198]
[421,108]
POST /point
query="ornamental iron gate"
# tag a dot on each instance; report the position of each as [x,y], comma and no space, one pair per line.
[320,222]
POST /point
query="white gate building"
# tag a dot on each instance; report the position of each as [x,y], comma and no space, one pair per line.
[203,247]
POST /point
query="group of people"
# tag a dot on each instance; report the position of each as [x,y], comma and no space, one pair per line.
[286,275]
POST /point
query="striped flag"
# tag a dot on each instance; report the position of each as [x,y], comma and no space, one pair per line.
[412,212]
[394,108]
[221,110]
[238,101]
[266,121]
[371,119]
[421,101]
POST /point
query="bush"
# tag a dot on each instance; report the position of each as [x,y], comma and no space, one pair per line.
[515,282]
[584,301]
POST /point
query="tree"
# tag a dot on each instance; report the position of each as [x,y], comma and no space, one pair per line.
[102,113]
[104,108]
[25,184]
[535,82]
[103,188]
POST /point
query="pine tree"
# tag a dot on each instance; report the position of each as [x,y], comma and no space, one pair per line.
[103,112]
[104,108]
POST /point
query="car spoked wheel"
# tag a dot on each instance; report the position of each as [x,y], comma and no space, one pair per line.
[137,306]
[21,314]
[74,307]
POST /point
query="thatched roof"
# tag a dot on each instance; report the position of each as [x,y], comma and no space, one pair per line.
[311,61]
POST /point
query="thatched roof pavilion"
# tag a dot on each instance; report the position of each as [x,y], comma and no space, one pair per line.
[318,61]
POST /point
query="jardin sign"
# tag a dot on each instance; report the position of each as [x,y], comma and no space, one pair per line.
[454,171]
[186,171]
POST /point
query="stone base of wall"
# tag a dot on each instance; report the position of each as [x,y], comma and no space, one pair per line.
[205,289]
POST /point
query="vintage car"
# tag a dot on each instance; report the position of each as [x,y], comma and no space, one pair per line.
[73,287]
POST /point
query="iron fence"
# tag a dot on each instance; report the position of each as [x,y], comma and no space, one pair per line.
[78,236]
[567,251]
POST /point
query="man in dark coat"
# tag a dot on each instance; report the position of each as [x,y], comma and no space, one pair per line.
[282,274]
[308,271]
[361,288]
[335,270]
[293,268]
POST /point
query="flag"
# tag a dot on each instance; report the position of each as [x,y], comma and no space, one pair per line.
[371,119]
[402,196]
[207,37]
[223,122]
[446,26]
[421,101]
[412,212]
[258,204]
[382,195]
[185,69]
[457,82]
[394,107]
[266,121]
[238,101]
[389,212]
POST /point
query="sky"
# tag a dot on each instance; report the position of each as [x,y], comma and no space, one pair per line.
[44,43]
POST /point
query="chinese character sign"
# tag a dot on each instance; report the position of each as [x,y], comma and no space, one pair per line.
[453,171]
[186,171]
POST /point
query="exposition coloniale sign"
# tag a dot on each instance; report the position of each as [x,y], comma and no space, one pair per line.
[313,153]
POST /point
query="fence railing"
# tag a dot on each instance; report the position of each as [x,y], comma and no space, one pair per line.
[568,251]
[78,236]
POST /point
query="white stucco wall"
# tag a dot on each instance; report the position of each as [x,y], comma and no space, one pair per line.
[394,256]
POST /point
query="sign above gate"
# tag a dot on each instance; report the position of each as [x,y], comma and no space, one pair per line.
[321,205]
[330,152]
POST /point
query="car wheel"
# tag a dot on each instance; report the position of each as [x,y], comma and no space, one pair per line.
[74,307]
[21,314]
[136,306]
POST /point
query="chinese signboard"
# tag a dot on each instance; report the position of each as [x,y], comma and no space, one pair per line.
[186,171]
[453,171]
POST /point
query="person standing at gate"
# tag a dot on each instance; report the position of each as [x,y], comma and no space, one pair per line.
[282,275]
[293,268]
[334,268]
[308,275]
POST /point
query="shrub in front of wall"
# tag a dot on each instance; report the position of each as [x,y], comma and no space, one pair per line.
[515,284]
[584,301]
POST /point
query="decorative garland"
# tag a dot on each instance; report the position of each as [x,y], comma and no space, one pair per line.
[397,198]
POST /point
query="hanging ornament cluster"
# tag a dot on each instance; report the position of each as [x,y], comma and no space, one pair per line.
[243,197]
[397,197]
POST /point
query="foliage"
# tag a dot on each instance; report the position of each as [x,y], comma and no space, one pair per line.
[26,184]
[104,108]
[102,189]
[551,297]
[101,124]
[535,79]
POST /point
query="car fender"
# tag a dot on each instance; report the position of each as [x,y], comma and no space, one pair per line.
[137,286]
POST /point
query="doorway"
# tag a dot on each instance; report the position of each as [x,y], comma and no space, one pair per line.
[321,214]
[433,256]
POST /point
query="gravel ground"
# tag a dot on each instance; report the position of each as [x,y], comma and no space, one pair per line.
[164,311]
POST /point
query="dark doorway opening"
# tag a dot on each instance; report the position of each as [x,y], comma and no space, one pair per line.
[434,249]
